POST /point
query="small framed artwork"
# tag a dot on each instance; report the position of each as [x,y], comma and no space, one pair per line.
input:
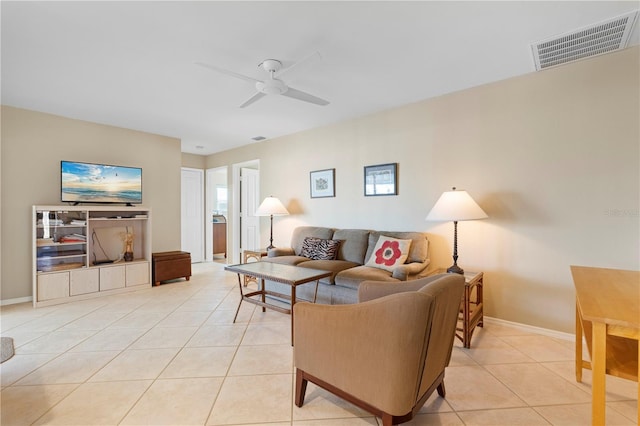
[323,183]
[381,179]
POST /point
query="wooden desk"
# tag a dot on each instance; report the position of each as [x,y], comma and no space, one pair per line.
[608,313]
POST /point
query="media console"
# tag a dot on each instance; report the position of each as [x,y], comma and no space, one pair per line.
[78,252]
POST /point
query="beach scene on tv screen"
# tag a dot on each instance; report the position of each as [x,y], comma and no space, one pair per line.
[97,183]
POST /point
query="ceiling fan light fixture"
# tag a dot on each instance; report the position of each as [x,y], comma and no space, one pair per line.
[271,87]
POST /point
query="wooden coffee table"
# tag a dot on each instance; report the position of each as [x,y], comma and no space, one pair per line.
[285,274]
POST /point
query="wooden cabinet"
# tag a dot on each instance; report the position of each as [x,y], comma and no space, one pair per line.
[79,252]
[219,235]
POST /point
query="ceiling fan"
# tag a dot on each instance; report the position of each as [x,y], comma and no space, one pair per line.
[272,85]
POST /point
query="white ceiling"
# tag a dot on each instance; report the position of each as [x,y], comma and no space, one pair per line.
[131,64]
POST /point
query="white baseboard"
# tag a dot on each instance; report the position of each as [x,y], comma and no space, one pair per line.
[16,301]
[532,329]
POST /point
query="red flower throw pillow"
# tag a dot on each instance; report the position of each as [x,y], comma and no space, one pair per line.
[389,253]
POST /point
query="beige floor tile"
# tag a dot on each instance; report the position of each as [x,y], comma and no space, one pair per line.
[225,316]
[473,388]
[262,359]
[629,409]
[184,319]
[488,349]
[175,401]
[94,321]
[503,330]
[253,399]
[541,348]
[55,342]
[617,389]
[579,414]
[444,419]
[508,417]
[110,339]
[200,362]
[321,404]
[96,404]
[23,405]
[136,364]
[436,404]
[354,421]
[21,365]
[164,337]
[198,305]
[137,319]
[537,385]
[270,333]
[269,316]
[218,335]
[460,357]
[70,367]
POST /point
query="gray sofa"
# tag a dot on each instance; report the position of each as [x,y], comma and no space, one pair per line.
[349,270]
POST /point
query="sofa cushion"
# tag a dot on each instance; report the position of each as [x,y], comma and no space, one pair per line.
[389,253]
[319,249]
[301,232]
[352,277]
[418,252]
[334,266]
[354,244]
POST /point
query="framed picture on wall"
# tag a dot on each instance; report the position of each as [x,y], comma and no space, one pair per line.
[381,179]
[323,183]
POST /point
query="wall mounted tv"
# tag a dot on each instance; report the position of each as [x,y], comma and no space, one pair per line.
[100,183]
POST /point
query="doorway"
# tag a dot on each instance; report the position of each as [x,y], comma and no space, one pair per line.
[192,221]
[245,200]
[217,206]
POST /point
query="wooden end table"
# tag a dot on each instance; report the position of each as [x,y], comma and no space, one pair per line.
[256,255]
[285,274]
[471,307]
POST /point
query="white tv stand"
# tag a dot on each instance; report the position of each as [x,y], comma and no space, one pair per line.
[78,252]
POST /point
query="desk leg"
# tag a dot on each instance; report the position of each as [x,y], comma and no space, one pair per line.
[264,300]
[239,303]
[598,368]
[578,345]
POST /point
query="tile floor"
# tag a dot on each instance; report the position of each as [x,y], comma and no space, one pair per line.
[171,355]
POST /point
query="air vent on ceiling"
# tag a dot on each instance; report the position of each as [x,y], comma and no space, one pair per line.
[594,40]
[258,138]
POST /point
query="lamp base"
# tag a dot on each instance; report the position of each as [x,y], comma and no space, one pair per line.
[271,246]
[455,269]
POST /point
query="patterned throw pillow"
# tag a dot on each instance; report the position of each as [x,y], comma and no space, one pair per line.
[389,253]
[319,249]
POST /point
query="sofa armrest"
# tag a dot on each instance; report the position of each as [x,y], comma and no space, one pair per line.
[404,271]
[357,347]
[278,251]
[369,290]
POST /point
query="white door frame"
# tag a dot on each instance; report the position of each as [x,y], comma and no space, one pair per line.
[235,207]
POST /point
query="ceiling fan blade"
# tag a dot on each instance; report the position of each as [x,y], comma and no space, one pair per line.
[227,72]
[304,96]
[314,55]
[252,99]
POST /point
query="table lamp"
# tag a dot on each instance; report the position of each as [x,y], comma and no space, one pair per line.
[271,207]
[455,206]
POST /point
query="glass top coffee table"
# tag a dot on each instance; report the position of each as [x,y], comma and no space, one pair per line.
[285,274]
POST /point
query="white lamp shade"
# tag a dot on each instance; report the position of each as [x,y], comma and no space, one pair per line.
[271,206]
[455,206]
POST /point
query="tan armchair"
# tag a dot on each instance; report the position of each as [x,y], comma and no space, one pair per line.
[386,354]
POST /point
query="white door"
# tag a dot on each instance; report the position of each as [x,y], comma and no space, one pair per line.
[192,222]
[249,203]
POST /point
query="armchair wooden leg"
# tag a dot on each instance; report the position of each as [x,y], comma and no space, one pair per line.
[441,390]
[301,387]
[387,419]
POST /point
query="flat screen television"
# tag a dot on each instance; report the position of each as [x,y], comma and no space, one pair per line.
[100,183]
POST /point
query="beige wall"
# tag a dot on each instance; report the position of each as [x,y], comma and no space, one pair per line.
[193,161]
[33,144]
[552,157]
